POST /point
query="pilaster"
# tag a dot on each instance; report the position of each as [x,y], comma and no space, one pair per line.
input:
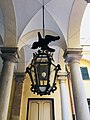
[64,96]
[19,78]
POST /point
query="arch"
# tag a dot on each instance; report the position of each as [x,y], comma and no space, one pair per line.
[2,32]
[9,23]
[1,41]
[75,23]
[32,36]
[27,40]
[21,64]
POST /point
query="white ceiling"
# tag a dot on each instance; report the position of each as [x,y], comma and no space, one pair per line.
[23,19]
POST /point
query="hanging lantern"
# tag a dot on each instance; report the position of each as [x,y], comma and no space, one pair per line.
[42,73]
[42,70]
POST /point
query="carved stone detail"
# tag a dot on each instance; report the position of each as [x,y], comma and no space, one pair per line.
[71,54]
[10,54]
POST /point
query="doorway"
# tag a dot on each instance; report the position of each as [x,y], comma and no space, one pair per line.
[40,109]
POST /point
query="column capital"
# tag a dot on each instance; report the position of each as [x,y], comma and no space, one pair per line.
[71,54]
[19,77]
[61,76]
[10,54]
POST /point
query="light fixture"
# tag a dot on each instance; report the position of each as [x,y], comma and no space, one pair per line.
[42,70]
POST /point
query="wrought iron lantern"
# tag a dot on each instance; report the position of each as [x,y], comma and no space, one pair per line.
[43,72]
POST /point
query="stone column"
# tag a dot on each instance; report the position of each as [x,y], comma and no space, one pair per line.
[73,56]
[15,112]
[64,97]
[9,56]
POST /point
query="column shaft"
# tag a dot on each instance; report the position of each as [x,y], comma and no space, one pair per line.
[65,102]
[5,88]
[73,56]
[81,106]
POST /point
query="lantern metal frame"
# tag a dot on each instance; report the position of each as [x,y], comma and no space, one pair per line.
[43,58]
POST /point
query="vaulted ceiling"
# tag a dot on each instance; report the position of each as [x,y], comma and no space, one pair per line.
[20,21]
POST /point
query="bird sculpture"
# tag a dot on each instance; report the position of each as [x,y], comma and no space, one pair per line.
[43,42]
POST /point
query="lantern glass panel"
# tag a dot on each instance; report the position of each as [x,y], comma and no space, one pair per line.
[42,76]
[52,74]
[42,71]
[32,74]
[42,67]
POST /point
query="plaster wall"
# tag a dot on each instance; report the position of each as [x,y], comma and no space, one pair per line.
[26,93]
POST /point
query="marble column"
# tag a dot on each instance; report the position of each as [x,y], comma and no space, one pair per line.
[15,112]
[64,96]
[72,57]
[9,56]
